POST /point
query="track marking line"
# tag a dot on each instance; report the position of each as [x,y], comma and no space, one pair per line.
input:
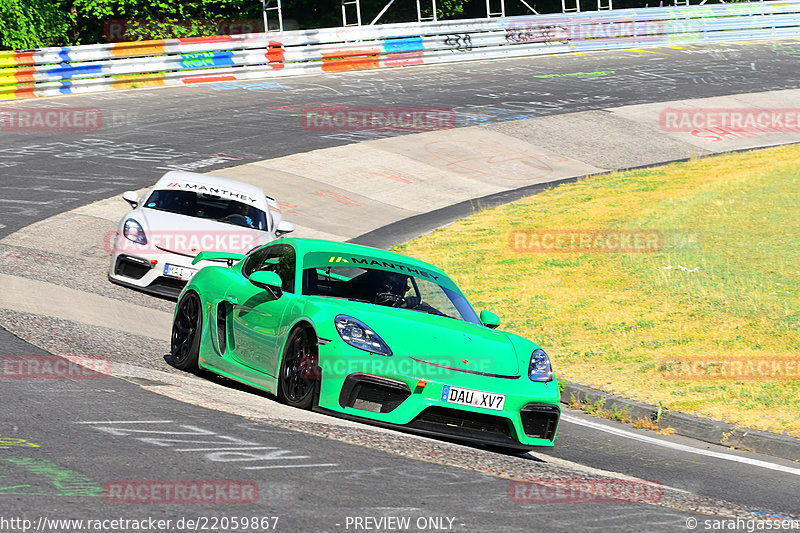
[30,202]
[240,448]
[128,422]
[286,466]
[681,447]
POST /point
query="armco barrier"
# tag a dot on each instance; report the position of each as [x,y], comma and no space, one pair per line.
[91,68]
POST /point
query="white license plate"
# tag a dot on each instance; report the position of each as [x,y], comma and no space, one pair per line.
[175,271]
[474,398]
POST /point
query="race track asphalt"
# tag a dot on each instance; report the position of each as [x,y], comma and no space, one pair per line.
[207,127]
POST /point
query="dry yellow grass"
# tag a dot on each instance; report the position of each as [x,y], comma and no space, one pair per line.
[617,321]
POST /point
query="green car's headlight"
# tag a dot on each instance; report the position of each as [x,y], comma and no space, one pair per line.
[133,232]
[539,368]
[359,335]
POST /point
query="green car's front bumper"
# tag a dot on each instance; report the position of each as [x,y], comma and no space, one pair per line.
[408,392]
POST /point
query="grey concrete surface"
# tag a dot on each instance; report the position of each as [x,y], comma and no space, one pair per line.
[600,138]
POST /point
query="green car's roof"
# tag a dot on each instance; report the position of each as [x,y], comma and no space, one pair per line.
[305,246]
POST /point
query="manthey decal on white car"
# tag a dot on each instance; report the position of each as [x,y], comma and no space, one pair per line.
[183,214]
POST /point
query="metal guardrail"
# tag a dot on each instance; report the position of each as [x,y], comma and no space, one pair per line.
[102,67]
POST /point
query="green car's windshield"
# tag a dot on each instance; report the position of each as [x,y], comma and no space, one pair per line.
[402,287]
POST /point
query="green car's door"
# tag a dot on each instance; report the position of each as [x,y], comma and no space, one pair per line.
[258,316]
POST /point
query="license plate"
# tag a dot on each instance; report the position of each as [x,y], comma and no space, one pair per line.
[175,271]
[474,398]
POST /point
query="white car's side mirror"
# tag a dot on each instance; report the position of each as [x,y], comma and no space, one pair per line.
[132,198]
[284,227]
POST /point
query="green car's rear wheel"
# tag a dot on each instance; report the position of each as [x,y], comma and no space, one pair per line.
[297,385]
[186,332]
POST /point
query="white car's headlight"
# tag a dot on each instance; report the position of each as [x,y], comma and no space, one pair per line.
[133,232]
[359,335]
[539,368]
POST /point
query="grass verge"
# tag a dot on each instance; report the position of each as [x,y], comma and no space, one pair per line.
[706,322]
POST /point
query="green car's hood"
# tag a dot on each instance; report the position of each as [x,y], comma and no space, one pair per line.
[435,339]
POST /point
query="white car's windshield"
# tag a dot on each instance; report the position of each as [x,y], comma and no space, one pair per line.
[389,284]
[208,206]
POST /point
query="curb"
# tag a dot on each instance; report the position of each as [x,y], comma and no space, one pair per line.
[412,227]
[696,427]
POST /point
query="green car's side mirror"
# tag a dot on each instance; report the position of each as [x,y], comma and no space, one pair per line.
[489,319]
[266,279]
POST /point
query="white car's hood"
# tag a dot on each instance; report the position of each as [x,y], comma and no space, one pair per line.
[190,235]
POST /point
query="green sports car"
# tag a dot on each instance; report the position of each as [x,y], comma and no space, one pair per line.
[365,334]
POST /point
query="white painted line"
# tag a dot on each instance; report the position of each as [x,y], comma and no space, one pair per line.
[7,200]
[239,448]
[46,188]
[83,180]
[320,85]
[286,466]
[129,422]
[680,447]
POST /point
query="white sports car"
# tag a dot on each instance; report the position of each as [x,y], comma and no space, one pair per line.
[183,214]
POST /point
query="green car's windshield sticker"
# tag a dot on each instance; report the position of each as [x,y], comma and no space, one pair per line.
[327,259]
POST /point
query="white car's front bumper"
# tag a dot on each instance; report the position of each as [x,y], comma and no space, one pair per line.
[162,273]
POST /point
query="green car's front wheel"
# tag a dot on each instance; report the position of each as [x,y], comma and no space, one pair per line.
[297,384]
[186,332]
